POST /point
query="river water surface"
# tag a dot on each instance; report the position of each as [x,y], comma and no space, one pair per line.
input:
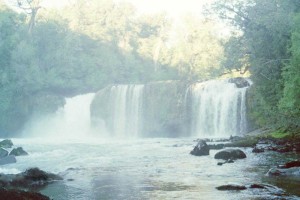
[144,169]
[95,169]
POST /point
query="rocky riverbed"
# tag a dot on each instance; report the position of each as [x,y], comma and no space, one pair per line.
[285,171]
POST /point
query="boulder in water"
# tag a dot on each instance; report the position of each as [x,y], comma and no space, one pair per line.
[227,161]
[201,149]
[295,163]
[9,194]
[8,160]
[258,150]
[6,143]
[231,187]
[18,152]
[230,154]
[31,178]
[3,153]
[293,171]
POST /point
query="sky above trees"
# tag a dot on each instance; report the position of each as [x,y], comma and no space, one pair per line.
[173,8]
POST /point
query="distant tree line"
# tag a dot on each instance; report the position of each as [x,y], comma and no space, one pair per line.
[47,54]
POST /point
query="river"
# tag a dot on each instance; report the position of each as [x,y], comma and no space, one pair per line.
[160,168]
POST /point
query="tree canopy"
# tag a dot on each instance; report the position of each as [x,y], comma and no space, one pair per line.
[50,54]
[267,44]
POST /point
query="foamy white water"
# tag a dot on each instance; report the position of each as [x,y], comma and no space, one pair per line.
[127,102]
[217,108]
[71,121]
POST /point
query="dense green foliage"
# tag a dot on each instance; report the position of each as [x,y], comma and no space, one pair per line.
[46,55]
[268,45]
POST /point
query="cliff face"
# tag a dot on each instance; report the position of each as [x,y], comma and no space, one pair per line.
[20,108]
[162,113]
[165,108]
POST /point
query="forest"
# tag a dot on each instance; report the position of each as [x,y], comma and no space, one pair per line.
[49,54]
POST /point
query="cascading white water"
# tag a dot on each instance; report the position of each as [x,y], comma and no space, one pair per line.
[76,115]
[70,121]
[217,109]
[127,109]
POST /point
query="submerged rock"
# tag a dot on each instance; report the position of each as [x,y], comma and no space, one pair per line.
[293,171]
[18,152]
[257,186]
[216,146]
[231,187]
[295,163]
[230,154]
[201,149]
[262,188]
[21,195]
[6,143]
[31,178]
[258,150]
[8,160]
[227,161]
[3,153]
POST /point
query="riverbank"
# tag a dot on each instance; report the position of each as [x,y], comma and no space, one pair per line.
[268,140]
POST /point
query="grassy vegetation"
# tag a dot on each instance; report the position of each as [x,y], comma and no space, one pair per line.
[252,140]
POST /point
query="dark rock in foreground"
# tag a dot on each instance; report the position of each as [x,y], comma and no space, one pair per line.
[230,154]
[21,195]
[6,143]
[201,149]
[264,191]
[231,187]
[3,153]
[8,160]
[18,152]
[295,163]
[257,186]
[227,161]
[258,150]
[31,178]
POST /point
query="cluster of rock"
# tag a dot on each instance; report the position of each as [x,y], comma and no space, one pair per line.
[291,168]
[278,145]
[269,191]
[33,178]
[12,186]
[8,156]
[229,155]
[288,169]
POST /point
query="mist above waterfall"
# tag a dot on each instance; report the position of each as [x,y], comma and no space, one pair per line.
[71,121]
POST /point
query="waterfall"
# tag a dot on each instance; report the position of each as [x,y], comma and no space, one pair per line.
[76,115]
[216,108]
[126,104]
[71,121]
